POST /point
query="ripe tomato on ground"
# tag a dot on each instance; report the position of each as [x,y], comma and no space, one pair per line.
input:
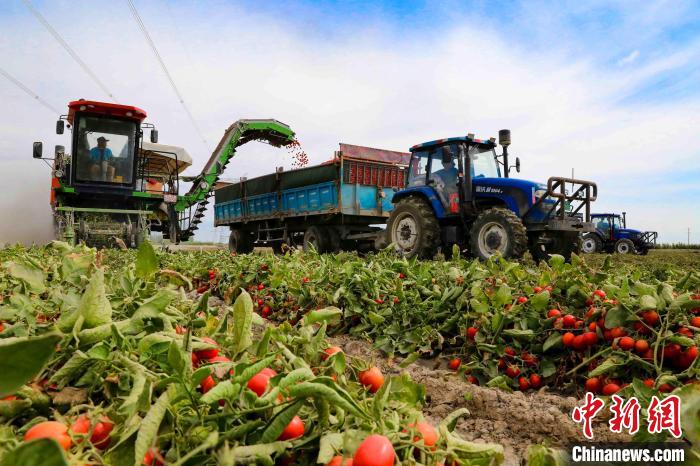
[375,450]
[209,352]
[50,429]
[455,363]
[372,378]
[328,352]
[294,429]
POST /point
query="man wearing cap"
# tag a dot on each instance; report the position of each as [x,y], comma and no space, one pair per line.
[100,157]
[446,178]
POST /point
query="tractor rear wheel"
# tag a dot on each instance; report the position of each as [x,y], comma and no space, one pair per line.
[591,243]
[498,231]
[624,246]
[239,242]
[413,228]
[564,243]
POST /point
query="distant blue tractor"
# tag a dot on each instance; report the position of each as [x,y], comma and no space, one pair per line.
[457,194]
[612,235]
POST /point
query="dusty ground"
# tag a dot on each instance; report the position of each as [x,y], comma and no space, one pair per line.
[515,420]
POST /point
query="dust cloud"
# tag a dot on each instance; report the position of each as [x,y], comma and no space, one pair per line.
[25,213]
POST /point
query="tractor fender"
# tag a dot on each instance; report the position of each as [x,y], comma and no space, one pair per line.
[506,200]
[426,193]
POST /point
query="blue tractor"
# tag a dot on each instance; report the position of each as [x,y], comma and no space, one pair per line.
[612,235]
[459,193]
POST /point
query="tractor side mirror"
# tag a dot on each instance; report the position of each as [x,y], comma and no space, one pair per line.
[38,150]
[154,136]
[517,164]
[60,127]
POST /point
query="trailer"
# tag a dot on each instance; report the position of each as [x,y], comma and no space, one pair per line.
[328,207]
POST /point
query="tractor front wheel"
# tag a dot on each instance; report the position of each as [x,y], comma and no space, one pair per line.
[413,228]
[624,246]
[591,243]
[498,231]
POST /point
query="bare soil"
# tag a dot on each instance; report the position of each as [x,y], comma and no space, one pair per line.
[515,420]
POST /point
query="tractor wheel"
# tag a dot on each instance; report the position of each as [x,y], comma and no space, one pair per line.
[624,246]
[498,231]
[562,243]
[239,242]
[413,228]
[591,243]
[317,239]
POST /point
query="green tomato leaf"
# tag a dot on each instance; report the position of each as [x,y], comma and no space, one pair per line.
[146,261]
[242,322]
[45,452]
[22,358]
[148,431]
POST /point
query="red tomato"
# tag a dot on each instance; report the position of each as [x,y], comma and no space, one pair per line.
[665,388]
[650,317]
[599,293]
[695,322]
[568,339]
[535,381]
[306,280]
[266,311]
[512,372]
[100,433]
[402,276]
[579,343]
[524,384]
[153,458]
[207,384]
[328,352]
[261,286]
[671,351]
[569,321]
[522,300]
[50,429]
[591,338]
[553,313]
[537,289]
[626,343]
[510,352]
[180,330]
[649,383]
[473,380]
[529,359]
[81,425]
[269,372]
[641,346]
[426,433]
[618,332]
[208,353]
[372,378]
[471,333]
[375,450]
[455,363]
[648,355]
[259,382]
[592,327]
[294,429]
[611,389]
[593,385]
[340,461]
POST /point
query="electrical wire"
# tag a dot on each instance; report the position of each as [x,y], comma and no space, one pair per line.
[68,49]
[31,93]
[152,44]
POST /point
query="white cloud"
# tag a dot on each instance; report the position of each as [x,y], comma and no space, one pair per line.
[359,86]
[628,59]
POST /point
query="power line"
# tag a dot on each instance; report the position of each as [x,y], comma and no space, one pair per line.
[68,49]
[142,26]
[29,91]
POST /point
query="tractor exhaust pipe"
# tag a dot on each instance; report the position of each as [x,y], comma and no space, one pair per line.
[504,141]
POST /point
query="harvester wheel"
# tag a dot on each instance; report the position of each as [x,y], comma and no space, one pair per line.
[498,231]
[564,243]
[624,246]
[413,228]
[591,243]
[239,242]
[316,238]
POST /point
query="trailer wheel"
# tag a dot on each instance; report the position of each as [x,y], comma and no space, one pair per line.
[591,243]
[563,243]
[498,230]
[314,238]
[624,246]
[239,242]
[413,228]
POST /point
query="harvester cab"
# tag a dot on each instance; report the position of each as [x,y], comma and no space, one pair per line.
[459,192]
[612,235]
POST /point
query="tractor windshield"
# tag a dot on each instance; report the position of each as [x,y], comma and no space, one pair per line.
[483,160]
[104,149]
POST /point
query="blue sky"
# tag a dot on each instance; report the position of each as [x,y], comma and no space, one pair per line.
[609,89]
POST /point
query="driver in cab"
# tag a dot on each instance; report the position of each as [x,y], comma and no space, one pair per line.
[446,178]
[100,158]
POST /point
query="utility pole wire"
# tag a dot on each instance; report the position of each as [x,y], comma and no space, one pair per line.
[68,49]
[29,91]
[152,44]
